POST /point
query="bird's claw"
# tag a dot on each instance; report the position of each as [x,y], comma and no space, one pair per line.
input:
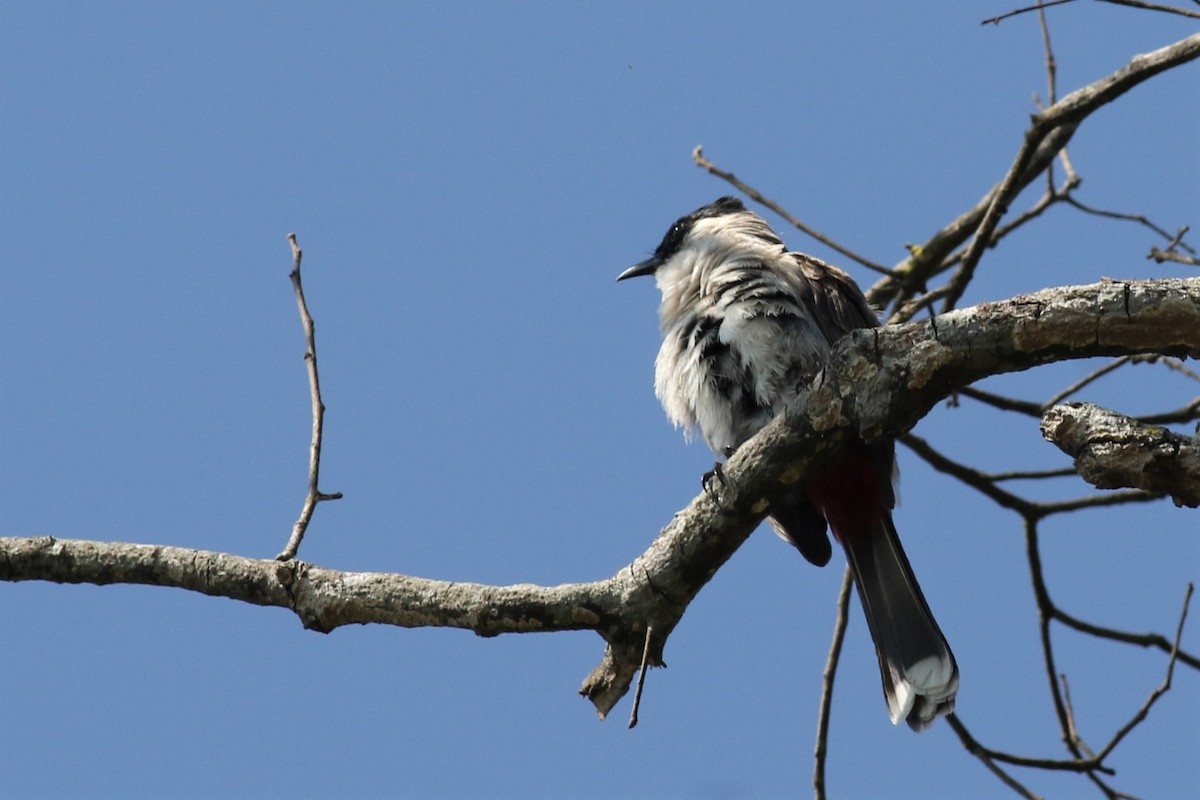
[706,481]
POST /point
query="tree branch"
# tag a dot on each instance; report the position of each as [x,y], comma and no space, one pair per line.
[1064,116]
[1050,131]
[877,382]
[1112,451]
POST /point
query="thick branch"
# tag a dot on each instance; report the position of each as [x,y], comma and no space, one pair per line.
[878,382]
[324,599]
[1112,451]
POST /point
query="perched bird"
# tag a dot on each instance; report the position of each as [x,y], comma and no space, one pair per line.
[746,324]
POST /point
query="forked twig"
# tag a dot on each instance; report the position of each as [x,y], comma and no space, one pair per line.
[1141,219]
[985,755]
[1161,689]
[314,495]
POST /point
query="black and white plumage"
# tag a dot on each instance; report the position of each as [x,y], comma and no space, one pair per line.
[745,325]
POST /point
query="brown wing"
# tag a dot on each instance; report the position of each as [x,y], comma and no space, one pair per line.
[837,302]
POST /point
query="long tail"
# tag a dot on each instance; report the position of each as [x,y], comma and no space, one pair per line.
[920,676]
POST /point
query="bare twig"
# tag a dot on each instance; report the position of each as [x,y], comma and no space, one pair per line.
[1155,640]
[1087,379]
[913,306]
[1187,413]
[1178,366]
[828,675]
[1005,192]
[1141,219]
[968,475]
[641,681]
[1049,198]
[313,495]
[1160,690]
[1170,255]
[1051,64]
[1047,612]
[1029,474]
[1026,407]
[1044,605]
[1073,728]
[986,484]
[1177,240]
[1097,501]
[985,755]
[1131,3]
[979,750]
[1072,179]
[997,20]
[758,197]
[1154,7]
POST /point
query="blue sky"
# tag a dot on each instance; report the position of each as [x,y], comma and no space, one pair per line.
[466,181]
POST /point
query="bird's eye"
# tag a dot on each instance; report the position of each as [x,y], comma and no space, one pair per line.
[673,240]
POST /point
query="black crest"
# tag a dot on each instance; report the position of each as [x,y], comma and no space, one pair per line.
[675,236]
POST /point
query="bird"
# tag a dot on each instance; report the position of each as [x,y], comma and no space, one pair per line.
[746,324]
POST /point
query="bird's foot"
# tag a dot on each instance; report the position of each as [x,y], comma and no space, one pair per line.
[718,472]
[715,475]
[707,482]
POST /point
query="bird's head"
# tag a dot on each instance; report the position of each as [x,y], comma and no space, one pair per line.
[719,231]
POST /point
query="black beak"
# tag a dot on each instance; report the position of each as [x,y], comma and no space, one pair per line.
[646,267]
